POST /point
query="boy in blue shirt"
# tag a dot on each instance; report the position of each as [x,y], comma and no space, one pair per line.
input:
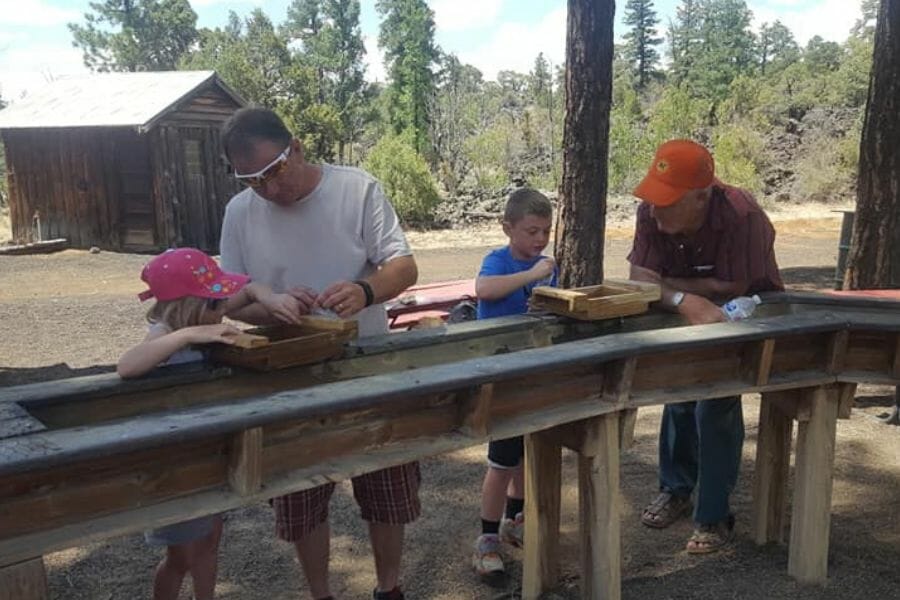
[504,285]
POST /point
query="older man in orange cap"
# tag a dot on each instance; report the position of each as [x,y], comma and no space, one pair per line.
[704,242]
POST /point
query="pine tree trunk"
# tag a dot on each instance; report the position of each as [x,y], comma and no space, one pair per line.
[874,260]
[582,193]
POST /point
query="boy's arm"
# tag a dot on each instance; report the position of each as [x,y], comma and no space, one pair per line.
[495,287]
[157,347]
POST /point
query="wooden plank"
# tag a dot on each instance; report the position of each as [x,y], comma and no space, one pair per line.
[627,423]
[24,581]
[245,460]
[770,478]
[811,515]
[540,565]
[846,399]
[476,410]
[599,510]
[618,378]
[756,363]
[249,340]
[836,354]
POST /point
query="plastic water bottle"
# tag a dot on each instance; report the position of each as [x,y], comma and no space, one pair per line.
[740,308]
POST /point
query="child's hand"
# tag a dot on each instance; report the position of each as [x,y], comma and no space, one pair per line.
[306,297]
[284,307]
[208,334]
[543,269]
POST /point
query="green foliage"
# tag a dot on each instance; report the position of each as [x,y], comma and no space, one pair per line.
[407,38]
[406,179]
[739,155]
[641,40]
[135,35]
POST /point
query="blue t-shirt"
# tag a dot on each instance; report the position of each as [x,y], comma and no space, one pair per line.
[502,262]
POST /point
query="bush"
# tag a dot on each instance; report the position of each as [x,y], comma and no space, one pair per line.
[406,179]
[739,156]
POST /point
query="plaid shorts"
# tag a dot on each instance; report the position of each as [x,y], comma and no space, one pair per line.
[387,496]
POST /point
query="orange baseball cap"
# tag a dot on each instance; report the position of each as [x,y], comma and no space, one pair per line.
[678,167]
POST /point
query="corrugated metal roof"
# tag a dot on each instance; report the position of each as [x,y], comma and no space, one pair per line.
[104,99]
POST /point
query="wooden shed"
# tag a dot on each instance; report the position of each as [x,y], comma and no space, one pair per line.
[122,161]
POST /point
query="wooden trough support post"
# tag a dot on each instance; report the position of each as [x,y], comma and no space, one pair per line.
[773,461]
[26,580]
[811,514]
[543,478]
[599,510]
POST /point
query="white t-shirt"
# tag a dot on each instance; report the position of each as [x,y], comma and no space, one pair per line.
[342,231]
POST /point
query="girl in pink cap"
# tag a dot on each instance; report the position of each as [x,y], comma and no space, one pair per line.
[192,296]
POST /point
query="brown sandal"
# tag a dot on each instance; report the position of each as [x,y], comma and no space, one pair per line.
[707,539]
[665,510]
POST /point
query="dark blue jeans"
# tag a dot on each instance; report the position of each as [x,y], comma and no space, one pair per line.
[700,447]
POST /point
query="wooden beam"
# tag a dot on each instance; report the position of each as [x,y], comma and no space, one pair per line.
[245,461]
[836,354]
[476,410]
[618,377]
[627,423]
[770,479]
[846,399]
[599,510]
[811,515]
[24,581]
[540,565]
[756,362]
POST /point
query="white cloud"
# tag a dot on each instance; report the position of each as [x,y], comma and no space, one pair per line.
[514,46]
[374,60]
[831,19]
[37,13]
[457,15]
[28,67]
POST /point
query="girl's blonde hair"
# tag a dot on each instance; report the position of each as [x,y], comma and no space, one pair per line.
[177,314]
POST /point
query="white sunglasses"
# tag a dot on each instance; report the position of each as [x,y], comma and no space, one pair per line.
[267,173]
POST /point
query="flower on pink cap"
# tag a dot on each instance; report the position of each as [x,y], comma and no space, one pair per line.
[187,272]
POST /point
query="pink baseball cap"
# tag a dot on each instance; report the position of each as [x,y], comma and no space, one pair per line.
[186,272]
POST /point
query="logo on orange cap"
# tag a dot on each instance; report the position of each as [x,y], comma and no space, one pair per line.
[678,167]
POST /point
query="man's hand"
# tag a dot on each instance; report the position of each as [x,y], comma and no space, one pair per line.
[306,298]
[344,298]
[543,269]
[697,310]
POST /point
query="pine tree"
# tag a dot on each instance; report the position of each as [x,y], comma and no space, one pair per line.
[148,35]
[407,38]
[641,41]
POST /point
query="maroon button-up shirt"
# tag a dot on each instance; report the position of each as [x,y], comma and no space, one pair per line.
[736,243]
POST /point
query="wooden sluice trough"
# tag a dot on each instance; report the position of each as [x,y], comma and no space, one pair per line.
[94,457]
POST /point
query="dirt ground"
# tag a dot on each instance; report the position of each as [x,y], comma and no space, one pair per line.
[73,313]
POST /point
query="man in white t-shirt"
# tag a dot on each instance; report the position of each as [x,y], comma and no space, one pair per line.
[328,236]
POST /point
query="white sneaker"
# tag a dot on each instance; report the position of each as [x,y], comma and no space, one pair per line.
[487,560]
[512,531]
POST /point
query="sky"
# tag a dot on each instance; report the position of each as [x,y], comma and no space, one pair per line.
[492,35]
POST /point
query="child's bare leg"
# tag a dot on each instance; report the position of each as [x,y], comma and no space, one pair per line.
[493,493]
[516,487]
[205,562]
[171,571]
